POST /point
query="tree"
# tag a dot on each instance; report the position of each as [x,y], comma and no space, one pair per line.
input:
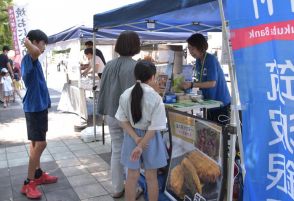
[5,32]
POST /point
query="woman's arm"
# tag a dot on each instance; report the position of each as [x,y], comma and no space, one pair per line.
[84,66]
[87,70]
[130,131]
[142,142]
[201,85]
[204,85]
[148,136]
[136,153]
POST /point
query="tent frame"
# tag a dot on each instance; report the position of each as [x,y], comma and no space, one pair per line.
[94,92]
[77,33]
[234,128]
[168,26]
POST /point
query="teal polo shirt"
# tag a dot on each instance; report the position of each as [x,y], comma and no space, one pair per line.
[212,71]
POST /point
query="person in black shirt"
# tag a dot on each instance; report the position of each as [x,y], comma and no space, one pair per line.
[4,61]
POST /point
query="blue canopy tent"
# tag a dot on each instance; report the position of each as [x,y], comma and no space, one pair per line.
[77,32]
[72,38]
[169,16]
[164,16]
[190,16]
[108,36]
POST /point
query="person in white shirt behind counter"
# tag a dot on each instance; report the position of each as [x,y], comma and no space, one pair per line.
[141,114]
[99,66]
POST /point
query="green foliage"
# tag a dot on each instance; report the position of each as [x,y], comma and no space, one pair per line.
[66,51]
[5,32]
[177,83]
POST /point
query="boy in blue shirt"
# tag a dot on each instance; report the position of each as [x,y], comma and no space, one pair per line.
[35,105]
[210,77]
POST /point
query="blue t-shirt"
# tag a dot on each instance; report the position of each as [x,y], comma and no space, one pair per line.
[37,96]
[212,71]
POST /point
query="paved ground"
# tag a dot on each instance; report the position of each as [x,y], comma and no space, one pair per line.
[83,168]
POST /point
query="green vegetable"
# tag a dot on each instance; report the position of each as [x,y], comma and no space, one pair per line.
[177,84]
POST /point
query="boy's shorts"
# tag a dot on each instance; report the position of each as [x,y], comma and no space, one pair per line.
[37,125]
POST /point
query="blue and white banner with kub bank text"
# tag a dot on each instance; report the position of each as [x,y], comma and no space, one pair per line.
[262,37]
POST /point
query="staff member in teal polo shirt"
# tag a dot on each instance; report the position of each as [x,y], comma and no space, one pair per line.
[210,77]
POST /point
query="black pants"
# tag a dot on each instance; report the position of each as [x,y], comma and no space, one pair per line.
[219,115]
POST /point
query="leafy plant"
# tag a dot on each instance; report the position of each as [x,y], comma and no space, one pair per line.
[5,32]
[177,83]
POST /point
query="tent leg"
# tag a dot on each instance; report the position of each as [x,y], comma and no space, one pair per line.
[94,87]
[234,120]
[103,131]
[46,69]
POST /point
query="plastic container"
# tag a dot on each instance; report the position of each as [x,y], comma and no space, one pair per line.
[170,98]
[87,135]
[196,98]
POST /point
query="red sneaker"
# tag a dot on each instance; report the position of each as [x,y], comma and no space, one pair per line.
[46,179]
[31,190]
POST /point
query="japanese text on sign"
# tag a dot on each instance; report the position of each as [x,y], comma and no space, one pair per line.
[281,174]
[18,25]
[13,29]
[270,6]
[20,15]
[282,77]
[184,130]
[281,170]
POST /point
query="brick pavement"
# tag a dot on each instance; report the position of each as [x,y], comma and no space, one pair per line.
[83,168]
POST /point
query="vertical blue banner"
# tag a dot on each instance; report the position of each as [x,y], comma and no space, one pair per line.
[262,36]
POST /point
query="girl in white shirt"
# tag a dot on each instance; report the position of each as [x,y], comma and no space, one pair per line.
[7,86]
[141,113]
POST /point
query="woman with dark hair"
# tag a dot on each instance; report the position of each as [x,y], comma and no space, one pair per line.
[118,75]
[89,44]
[210,77]
[141,113]
[99,65]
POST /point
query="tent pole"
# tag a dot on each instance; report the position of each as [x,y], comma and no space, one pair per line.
[234,119]
[46,69]
[80,95]
[94,87]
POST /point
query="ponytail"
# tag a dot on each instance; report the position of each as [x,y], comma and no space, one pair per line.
[144,70]
[136,109]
